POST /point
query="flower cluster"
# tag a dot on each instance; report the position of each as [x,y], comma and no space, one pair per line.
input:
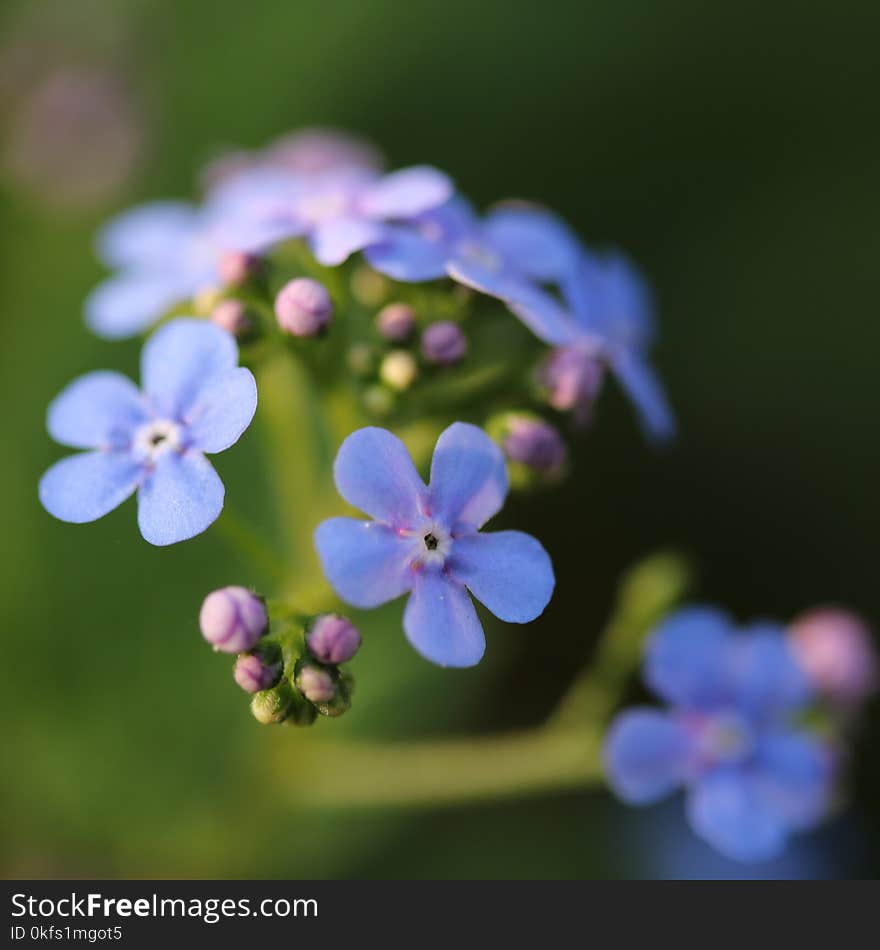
[736,735]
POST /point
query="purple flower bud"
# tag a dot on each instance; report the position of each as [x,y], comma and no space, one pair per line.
[316,684]
[257,671]
[231,315]
[572,377]
[396,322]
[535,443]
[303,307]
[232,619]
[333,639]
[833,646]
[237,267]
[444,343]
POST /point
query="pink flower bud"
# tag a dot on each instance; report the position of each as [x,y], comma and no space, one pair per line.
[303,307]
[333,639]
[231,315]
[396,322]
[444,343]
[233,619]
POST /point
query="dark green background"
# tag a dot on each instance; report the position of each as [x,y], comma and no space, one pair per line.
[732,149]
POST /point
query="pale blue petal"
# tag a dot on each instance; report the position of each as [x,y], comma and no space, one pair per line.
[224,410]
[334,241]
[85,487]
[180,360]
[726,809]
[507,571]
[406,193]
[537,309]
[148,235]
[129,302]
[687,658]
[647,755]
[644,389]
[794,773]
[468,476]
[534,240]
[408,256]
[764,679]
[441,623]
[374,473]
[181,497]
[98,410]
[366,563]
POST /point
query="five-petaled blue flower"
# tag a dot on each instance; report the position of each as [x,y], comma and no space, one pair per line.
[196,399]
[427,540]
[731,737]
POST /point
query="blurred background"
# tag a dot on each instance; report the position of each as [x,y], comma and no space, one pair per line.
[733,150]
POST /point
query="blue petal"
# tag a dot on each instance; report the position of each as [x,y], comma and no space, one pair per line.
[180,360]
[441,623]
[687,657]
[367,563]
[98,410]
[537,242]
[641,384]
[408,256]
[181,497]
[507,571]
[374,473]
[537,309]
[149,234]
[764,678]
[85,487]
[468,476]
[128,303]
[406,193]
[794,773]
[334,241]
[726,809]
[224,410]
[647,755]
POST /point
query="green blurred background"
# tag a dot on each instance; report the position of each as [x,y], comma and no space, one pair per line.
[733,150]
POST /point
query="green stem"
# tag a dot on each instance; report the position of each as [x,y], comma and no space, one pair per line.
[562,753]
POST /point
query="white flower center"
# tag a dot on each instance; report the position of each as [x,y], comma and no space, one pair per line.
[323,206]
[432,544]
[728,738]
[158,437]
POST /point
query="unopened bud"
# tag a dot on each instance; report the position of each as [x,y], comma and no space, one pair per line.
[396,322]
[444,343]
[316,683]
[398,370]
[258,670]
[534,443]
[378,401]
[333,639]
[303,307]
[237,267]
[361,359]
[232,316]
[833,646]
[571,377]
[233,619]
[273,705]
[368,287]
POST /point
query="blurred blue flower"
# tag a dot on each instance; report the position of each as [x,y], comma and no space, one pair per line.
[508,255]
[163,253]
[427,540]
[752,776]
[195,400]
[339,211]
[613,326]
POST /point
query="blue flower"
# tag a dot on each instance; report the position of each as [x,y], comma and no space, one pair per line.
[339,211]
[164,253]
[730,737]
[612,325]
[426,540]
[509,255]
[195,400]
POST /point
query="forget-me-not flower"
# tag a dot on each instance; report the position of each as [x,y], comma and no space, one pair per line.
[196,400]
[508,255]
[730,736]
[612,324]
[163,254]
[427,541]
[339,211]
